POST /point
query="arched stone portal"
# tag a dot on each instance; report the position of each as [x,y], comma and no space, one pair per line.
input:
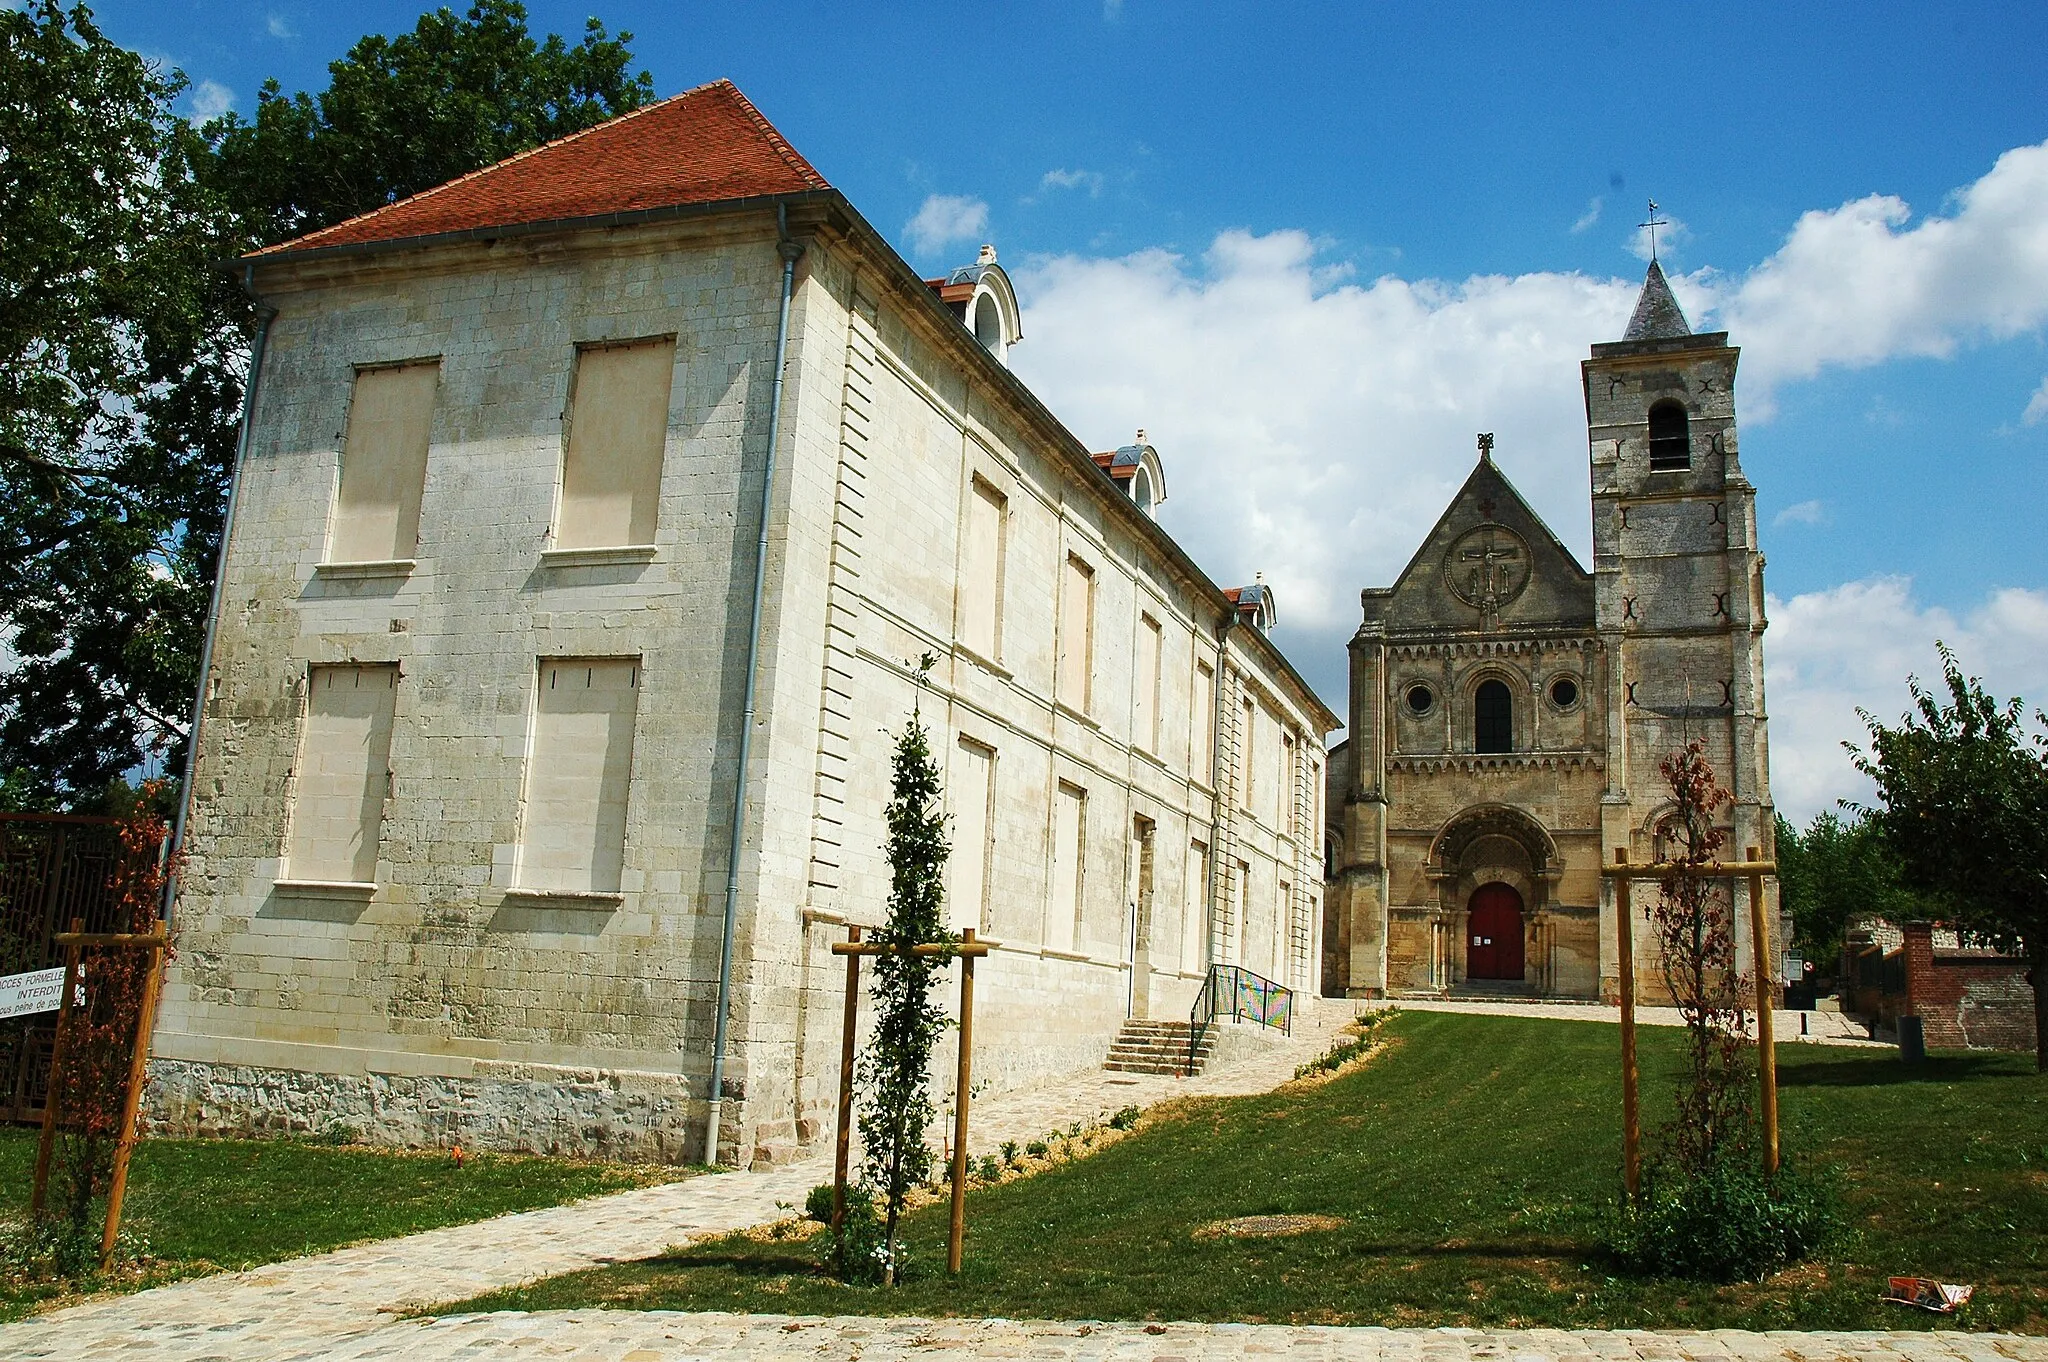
[1495,868]
[1493,933]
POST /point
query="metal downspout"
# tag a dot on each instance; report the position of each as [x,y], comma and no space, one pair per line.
[790,251]
[264,316]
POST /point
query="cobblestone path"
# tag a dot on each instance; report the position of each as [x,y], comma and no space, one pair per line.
[348,1304]
[1815,1028]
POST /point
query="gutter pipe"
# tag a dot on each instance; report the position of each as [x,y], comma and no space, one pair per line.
[791,251]
[264,317]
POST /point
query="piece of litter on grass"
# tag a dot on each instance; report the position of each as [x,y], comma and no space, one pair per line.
[1928,1294]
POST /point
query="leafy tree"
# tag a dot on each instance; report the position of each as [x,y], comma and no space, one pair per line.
[123,348]
[407,113]
[1838,870]
[109,489]
[895,1070]
[1963,791]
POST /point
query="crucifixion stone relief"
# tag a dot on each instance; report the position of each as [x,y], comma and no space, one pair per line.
[1487,567]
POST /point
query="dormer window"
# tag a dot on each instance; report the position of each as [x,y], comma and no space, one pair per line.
[1670,437]
[981,297]
[1136,469]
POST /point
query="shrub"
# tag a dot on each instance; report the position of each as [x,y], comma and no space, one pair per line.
[818,1205]
[1726,1222]
[991,1168]
[1010,1150]
[1037,1149]
[861,1251]
[1126,1118]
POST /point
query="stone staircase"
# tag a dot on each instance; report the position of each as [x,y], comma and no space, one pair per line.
[1157,1047]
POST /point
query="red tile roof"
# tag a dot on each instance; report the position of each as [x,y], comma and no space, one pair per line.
[706,145]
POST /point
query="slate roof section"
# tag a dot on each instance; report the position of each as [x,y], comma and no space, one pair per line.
[1657,315]
[707,145]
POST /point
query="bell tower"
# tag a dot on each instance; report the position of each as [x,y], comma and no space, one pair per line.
[1678,584]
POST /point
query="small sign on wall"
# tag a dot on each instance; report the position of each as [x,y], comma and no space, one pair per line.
[37,991]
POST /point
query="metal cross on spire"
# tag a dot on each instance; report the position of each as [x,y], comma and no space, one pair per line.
[1653,224]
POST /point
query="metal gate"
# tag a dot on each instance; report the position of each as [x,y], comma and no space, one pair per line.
[53,868]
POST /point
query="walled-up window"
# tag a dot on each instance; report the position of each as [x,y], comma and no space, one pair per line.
[1670,437]
[1248,719]
[1077,633]
[1283,924]
[1202,724]
[618,427]
[384,464]
[972,795]
[1194,926]
[1145,700]
[343,774]
[1283,786]
[1063,908]
[981,572]
[1493,718]
[573,832]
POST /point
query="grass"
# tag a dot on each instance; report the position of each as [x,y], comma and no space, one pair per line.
[198,1206]
[1473,1165]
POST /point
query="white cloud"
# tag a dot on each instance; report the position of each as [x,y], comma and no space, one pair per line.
[279,27]
[1827,653]
[1857,285]
[1804,513]
[2037,406]
[943,219]
[1090,180]
[208,99]
[1588,218]
[1315,424]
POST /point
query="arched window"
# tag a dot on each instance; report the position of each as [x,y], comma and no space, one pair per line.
[988,324]
[1493,718]
[1670,436]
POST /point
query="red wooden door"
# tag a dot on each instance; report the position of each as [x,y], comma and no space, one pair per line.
[1493,934]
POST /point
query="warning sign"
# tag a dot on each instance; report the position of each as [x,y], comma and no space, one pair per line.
[39,991]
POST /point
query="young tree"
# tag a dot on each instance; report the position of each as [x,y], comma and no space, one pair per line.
[1963,801]
[895,1070]
[1694,919]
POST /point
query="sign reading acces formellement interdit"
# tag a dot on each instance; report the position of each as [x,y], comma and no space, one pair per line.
[38,991]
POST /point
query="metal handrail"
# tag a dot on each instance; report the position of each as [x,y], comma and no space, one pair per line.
[1234,991]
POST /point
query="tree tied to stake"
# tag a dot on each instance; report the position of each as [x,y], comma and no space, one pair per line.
[896,1106]
[1694,919]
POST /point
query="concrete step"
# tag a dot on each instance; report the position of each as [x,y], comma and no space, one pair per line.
[1157,1047]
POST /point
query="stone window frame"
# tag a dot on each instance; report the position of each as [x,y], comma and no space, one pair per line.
[1521,714]
[1564,674]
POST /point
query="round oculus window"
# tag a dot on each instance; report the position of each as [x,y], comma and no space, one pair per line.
[1420,699]
[1564,692]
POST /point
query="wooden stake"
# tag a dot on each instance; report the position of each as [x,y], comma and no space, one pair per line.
[1631,1129]
[846,1083]
[51,1100]
[1766,1041]
[138,1064]
[962,1088]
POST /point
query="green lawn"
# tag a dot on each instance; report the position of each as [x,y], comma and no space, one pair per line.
[214,1205]
[1472,1164]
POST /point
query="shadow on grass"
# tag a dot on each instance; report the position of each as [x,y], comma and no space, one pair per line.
[738,1264]
[1868,1073]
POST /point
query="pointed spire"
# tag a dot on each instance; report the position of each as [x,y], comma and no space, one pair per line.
[1657,315]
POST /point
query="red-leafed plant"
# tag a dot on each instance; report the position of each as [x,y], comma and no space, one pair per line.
[99,1033]
[1694,918]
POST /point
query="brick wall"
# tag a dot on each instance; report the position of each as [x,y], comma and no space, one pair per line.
[1965,998]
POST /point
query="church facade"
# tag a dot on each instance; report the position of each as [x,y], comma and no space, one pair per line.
[1508,708]
[496,796]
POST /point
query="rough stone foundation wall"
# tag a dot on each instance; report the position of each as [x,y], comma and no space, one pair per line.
[505,1108]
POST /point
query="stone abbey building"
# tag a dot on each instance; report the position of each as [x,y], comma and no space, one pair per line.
[1508,709]
[593,515]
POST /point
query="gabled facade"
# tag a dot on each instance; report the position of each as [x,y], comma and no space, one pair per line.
[1509,708]
[462,840]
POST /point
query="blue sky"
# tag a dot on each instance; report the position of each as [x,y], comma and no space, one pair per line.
[1313,249]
